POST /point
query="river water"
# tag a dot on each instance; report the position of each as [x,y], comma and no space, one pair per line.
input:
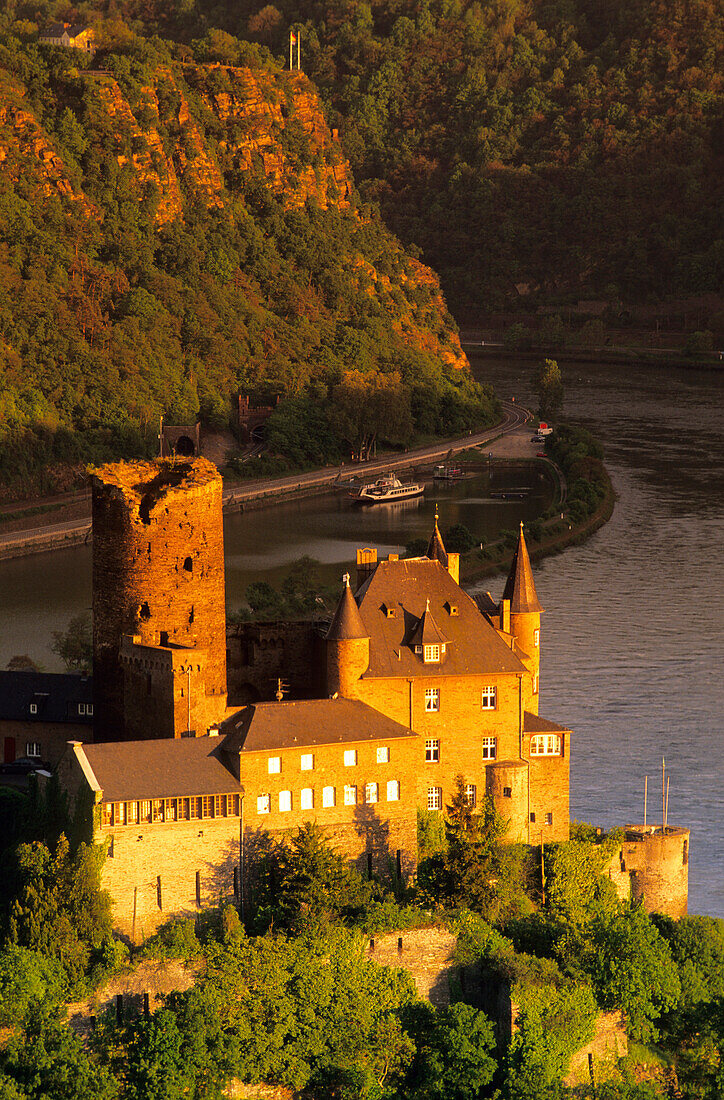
[631,643]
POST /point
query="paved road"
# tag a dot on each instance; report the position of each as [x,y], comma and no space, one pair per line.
[514,416]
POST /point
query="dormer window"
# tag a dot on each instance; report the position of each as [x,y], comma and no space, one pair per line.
[388,612]
[452,608]
[432,654]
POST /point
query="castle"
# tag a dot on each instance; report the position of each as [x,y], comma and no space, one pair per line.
[412,684]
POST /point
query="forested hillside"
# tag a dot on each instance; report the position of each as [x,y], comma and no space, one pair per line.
[174,231]
[552,148]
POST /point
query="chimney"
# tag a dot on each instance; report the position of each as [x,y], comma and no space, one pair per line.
[366,564]
[505,616]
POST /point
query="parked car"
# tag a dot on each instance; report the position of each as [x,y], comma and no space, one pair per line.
[24,765]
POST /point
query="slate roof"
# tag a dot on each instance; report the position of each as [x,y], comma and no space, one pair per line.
[57,30]
[519,587]
[55,694]
[264,726]
[533,723]
[346,623]
[473,646]
[436,547]
[165,768]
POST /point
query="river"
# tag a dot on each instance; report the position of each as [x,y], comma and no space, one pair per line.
[632,637]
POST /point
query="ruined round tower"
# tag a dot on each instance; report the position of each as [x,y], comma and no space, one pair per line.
[159,623]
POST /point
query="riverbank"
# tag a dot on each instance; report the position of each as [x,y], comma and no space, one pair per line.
[606,354]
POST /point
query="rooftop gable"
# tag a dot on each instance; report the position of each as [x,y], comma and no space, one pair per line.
[165,768]
[474,646]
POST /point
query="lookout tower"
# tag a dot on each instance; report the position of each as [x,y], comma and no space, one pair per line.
[348,646]
[159,638]
[520,602]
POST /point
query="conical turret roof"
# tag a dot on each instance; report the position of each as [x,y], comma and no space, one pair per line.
[436,547]
[519,587]
[347,622]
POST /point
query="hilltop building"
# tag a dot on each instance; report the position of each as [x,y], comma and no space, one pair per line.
[69,36]
[196,762]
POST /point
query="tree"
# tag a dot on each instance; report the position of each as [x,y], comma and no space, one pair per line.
[74,645]
[371,406]
[476,870]
[548,382]
[453,1052]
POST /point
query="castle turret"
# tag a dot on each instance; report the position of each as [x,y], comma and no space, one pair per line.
[159,617]
[348,646]
[525,611]
[436,552]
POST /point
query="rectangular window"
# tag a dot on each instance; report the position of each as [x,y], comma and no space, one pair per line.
[536,637]
[471,794]
[32,748]
[432,699]
[329,797]
[532,819]
[306,762]
[33,708]
[490,748]
[220,805]
[285,802]
[183,809]
[157,809]
[119,813]
[507,792]
[545,744]
[535,685]
[434,798]
[306,799]
[195,807]
[262,803]
[146,811]
[170,809]
[350,795]
[489,697]
[432,654]
[350,757]
[393,790]
[371,792]
[549,819]
[207,807]
[432,751]
[274,765]
[383,755]
[107,813]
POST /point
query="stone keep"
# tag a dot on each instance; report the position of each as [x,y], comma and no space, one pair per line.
[159,646]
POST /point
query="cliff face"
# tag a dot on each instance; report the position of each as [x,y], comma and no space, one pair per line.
[174,233]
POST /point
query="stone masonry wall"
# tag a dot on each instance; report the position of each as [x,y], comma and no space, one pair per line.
[158,573]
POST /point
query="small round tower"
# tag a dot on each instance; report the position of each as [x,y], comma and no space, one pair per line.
[348,646]
[506,784]
[158,574]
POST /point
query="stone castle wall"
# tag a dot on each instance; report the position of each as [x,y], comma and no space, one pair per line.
[158,574]
[653,867]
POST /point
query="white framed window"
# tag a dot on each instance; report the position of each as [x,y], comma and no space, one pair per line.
[306,762]
[489,697]
[32,748]
[432,751]
[432,654]
[545,744]
[274,765]
[285,802]
[263,803]
[432,699]
[418,649]
[393,790]
[329,797]
[350,795]
[434,798]
[383,754]
[306,798]
[471,795]
[85,708]
[33,708]
[549,819]
[490,748]
[535,685]
[536,637]
[372,793]
[350,758]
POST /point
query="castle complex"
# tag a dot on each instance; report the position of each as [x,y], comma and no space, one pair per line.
[413,684]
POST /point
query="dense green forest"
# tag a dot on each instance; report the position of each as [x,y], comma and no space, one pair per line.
[291,996]
[174,231]
[565,147]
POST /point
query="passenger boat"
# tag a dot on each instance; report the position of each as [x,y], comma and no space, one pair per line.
[387,489]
